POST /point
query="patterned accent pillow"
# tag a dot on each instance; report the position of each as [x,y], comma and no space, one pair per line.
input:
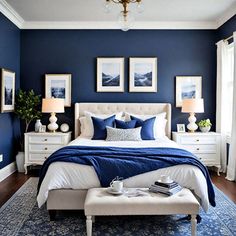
[123,134]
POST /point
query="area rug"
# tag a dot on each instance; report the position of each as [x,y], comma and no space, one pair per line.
[21,216]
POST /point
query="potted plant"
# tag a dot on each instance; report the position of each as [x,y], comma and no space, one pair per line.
[205,125]
[26,108]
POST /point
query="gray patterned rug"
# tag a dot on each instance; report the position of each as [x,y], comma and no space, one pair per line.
[21,216]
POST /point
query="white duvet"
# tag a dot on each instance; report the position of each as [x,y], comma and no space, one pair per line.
[63,175]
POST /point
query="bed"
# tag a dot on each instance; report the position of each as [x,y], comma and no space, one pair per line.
[60,188]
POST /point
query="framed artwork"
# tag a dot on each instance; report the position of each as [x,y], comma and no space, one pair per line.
[7,90]
[143,74]
[42,129]
[181,128]
[110,74]
[58,86]
[188,87]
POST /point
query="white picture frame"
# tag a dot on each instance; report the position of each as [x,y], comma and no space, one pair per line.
[188,87]
[143,74]
[181,128]
[42,129]
[110,74]
[7,90]
[58,86]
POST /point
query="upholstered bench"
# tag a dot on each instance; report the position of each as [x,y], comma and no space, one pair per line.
[100,203]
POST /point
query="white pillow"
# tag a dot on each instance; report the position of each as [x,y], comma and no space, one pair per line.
[83,127]
[87,123]
[114,134]
[159,127]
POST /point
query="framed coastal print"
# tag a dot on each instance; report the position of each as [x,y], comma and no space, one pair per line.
[58,86]
[7,90]
[180,128]
[143,74]
[110,74]
[188,87]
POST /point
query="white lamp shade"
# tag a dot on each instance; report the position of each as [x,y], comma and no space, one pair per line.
[193,105]
[50,105]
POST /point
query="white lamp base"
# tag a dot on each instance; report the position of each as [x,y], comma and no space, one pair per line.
[192,126]
[53,126]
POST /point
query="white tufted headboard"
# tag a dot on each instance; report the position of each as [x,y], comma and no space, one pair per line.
[136,108]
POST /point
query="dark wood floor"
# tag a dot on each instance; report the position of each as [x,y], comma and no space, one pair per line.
[11,184]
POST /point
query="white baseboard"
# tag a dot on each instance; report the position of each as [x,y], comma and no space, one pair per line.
[7,170]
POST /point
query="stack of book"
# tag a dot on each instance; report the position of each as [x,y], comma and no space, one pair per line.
[165,188]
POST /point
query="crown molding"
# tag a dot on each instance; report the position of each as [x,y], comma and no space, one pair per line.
[11,14]
[154,25]
[226,16]
[14,17]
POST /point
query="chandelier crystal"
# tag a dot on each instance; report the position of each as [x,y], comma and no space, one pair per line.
[125,18]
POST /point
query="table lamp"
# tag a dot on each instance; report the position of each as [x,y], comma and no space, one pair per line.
[192,106]
[53,106]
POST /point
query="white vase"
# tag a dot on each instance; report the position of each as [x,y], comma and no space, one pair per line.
[37,125]
[205,129]
[20,161]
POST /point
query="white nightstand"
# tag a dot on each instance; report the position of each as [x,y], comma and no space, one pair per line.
[206,146]
[39,146]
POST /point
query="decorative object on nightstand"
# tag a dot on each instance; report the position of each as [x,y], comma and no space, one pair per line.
[39,146]
[205,125]
[37,125]
[192,106]
[53,106]
[206,146]
[26,108]
[180,128]
[64,128]
[42,129]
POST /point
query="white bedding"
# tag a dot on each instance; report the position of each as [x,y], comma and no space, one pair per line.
[63,175]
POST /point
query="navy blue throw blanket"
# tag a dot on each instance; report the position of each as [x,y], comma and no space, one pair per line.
[110,162]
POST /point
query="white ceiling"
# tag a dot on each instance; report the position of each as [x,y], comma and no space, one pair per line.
[90,13]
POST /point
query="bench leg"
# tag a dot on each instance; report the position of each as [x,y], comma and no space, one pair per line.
[193,225]
[52,214]
[89,224]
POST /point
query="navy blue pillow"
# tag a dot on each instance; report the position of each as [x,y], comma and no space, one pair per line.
[147,127]
[99,125]
[125,125]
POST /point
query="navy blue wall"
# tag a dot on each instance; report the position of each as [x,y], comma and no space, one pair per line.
[179,52]
[9,59]
[227,29]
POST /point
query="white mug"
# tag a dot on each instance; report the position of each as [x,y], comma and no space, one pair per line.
[165,178]
[117,185]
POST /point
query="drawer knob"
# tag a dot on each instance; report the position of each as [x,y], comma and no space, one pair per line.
[45,139]
[45,148]
[197,140]
[45,158]
[198,149]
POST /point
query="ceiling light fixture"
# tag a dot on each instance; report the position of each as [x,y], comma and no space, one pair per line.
[125,17]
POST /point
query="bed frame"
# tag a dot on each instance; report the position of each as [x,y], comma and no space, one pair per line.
[69,199]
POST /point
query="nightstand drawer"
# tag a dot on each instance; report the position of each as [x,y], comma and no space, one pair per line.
[45,139]
[198,139]
[43,147]
[207,158]
[210,148]
[38,157]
